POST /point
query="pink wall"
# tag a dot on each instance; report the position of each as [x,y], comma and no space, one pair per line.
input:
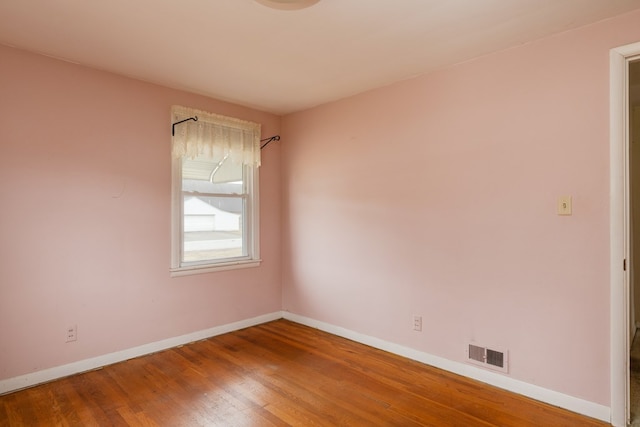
[437,197]
[85,218]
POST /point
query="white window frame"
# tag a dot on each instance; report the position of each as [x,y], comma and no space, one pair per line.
[251,231]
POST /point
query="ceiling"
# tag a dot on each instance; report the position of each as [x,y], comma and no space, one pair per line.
[282,61]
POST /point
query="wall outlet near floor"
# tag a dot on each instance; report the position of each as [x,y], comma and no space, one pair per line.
[417,323]
[72,333]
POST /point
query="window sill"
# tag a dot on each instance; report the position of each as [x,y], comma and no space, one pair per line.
[212,268]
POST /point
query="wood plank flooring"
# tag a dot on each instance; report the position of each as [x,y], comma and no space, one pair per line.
[276,374]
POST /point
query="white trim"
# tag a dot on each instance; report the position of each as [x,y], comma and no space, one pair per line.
[212,268]
[254,207]
[570,403]
[34,378]
[176,212]
[619,239]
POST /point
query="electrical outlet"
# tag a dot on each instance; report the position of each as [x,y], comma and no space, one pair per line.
[72,333]
[417,323]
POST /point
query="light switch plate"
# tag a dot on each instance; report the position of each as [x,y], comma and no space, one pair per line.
[564,205]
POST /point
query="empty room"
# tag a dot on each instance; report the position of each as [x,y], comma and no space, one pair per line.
[319,212]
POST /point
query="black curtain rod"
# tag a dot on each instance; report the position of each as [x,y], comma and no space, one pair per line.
[173,126]
[272,138]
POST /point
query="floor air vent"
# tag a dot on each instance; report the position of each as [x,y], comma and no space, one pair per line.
[488,358]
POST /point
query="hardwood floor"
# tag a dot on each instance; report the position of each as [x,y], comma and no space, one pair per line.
[276,374]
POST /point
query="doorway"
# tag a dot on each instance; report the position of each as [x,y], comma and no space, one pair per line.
[622,307]
[634,231]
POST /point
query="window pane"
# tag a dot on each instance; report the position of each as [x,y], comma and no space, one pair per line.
[212,228]
[211,188]
[211,170]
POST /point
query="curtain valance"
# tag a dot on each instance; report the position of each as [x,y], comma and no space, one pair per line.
[215,136]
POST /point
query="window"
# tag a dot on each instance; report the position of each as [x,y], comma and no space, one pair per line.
[215,162]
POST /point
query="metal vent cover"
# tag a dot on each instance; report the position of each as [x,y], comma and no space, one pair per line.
[476,353]
[496,360]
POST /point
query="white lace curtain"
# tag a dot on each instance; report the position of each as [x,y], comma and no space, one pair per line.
[215,136]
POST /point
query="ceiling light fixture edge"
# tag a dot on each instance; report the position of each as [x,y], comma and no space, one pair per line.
[287,4]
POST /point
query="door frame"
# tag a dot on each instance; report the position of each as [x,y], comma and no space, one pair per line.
[619,208]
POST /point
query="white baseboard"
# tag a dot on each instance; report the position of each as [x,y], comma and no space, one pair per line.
[34,378]
[570,403]
[551,397]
